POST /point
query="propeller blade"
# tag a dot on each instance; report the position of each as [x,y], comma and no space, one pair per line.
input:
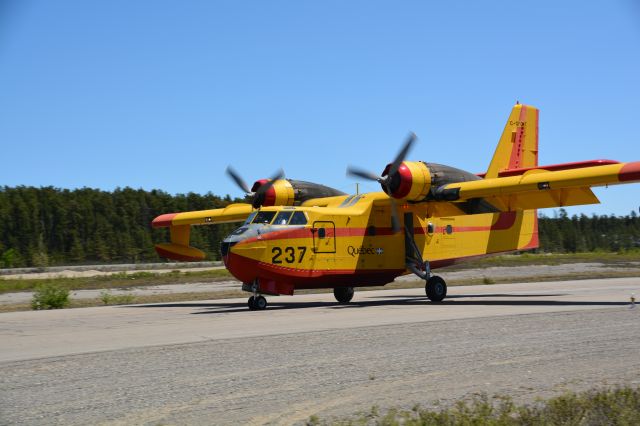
[238,180]
[402,154]
[364,174]
[258,198]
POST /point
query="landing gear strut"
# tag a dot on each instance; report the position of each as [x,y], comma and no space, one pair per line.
[343,294]
[435,286]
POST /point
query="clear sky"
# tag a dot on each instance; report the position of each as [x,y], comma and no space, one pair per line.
[166,94]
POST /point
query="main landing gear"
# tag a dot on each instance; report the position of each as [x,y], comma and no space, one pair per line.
[435,286]
[343,294]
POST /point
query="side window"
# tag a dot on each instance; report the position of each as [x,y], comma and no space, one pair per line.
[322,233]
[449,229]
[430,228]
[298,218]
[282,218]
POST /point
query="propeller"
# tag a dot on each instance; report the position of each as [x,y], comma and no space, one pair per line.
[258,195]
[235,176]
[386,180]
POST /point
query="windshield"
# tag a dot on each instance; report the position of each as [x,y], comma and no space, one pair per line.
[264,217]
[282,218]
[250,218]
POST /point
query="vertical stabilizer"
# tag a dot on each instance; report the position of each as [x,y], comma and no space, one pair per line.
[518,146]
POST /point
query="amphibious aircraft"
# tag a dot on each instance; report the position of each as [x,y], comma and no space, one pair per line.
[302,235]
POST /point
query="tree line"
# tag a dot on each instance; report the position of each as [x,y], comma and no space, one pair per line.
[50,226]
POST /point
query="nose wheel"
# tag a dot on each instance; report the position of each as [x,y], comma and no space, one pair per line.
[343,294]
[257,303]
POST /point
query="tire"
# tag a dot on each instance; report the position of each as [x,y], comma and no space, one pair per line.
[251,303]
[436,289]
[343,294]
[260,303]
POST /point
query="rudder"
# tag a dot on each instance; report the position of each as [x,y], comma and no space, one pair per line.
[518,145]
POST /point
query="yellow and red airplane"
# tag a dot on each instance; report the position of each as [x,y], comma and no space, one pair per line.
[301,235]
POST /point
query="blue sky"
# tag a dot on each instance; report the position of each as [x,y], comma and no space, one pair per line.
[160,94]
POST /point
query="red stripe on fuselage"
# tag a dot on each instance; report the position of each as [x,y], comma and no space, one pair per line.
[247,270]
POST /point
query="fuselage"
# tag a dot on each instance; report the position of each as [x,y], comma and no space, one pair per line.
[349,241]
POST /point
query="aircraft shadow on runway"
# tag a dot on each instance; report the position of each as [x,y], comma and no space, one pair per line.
[275,305]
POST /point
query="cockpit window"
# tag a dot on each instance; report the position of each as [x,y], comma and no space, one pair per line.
[298,218]
[264,217]
[282,218]
[250,218]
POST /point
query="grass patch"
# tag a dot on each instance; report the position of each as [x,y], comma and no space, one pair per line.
[116,280]
[109,298]
[619,406]
[526,259]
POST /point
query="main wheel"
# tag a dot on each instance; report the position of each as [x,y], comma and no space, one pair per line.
[260,303]
[252,303]
[343,294]
[436,289]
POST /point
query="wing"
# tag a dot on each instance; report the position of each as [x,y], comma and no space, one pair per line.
[539,188]
[232,213]
[179,225]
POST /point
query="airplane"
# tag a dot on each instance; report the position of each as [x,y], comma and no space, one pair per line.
[302,235]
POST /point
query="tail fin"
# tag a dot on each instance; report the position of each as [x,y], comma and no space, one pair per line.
[518,146]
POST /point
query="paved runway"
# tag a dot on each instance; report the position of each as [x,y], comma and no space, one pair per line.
[217,361]
[27,335]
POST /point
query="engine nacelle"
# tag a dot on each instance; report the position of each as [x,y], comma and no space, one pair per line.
[289,192]
[411,182]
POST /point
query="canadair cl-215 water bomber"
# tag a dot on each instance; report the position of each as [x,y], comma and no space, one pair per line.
[302,235]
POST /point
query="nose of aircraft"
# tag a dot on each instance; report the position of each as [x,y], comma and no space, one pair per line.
[241,253]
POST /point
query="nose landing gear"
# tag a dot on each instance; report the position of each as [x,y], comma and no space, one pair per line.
[257,302]
[343,294]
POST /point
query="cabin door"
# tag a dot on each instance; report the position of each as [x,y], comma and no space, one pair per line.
[324,237]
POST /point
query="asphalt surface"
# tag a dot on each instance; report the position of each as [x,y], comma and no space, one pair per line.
[215,362]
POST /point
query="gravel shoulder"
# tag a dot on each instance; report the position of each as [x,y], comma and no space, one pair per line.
[494,273]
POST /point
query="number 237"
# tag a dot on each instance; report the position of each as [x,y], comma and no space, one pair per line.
[289,254]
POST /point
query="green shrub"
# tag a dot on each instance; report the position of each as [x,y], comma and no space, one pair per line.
[487,280]
[50,296]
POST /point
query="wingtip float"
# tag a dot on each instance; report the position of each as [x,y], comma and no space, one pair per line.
[300,235]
